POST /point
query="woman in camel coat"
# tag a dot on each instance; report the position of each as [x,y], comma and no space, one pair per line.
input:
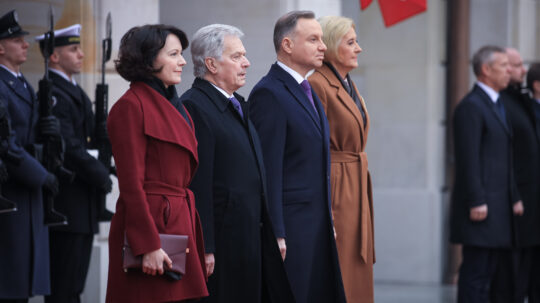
[352,205]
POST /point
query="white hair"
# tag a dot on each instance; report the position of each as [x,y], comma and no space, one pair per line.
[208,42]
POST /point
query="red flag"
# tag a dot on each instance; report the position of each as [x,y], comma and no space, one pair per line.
[364,4]
[394,11]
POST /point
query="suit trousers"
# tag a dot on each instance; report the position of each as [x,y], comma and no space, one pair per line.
[512,276]
[13,300]
[476,273]
[534,288]
[70,259]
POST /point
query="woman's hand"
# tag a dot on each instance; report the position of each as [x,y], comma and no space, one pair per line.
[153,262]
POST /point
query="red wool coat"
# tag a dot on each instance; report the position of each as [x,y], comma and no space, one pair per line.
[155,152]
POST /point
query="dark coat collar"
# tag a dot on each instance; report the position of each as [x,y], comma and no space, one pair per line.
[489,103]
[167,93]
[296,90]
[68,87]
[17,87]
[219,100]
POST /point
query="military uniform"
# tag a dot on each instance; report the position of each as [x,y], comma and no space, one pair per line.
[24,248]
[71,245]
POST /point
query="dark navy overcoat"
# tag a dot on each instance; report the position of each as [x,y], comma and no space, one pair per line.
[295,143]
[483,149]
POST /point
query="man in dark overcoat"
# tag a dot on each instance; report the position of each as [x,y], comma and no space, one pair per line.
[242,256]
[294,135]
[527,170]
[512,278]
[24,239]
[71,245]
[485,199]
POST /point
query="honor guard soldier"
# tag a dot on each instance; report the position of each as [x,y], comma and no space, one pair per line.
[71,245]
[24,249]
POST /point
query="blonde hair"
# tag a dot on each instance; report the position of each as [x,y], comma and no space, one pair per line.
[334,28]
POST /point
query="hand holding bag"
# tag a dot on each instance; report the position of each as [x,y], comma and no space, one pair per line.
[176,246]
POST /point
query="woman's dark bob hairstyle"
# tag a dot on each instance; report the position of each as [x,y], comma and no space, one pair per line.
[139,48]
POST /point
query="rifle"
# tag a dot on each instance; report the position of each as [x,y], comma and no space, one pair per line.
[102,107]
[5,154]
[53,146]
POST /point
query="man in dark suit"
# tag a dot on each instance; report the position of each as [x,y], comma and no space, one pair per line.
[485,198]
[24,248]
[71,245]
[527,168]
[242,257]
[294,134]
[513,275]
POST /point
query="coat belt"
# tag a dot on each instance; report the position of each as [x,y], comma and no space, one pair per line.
[162,188]
[347,157]
[361,158]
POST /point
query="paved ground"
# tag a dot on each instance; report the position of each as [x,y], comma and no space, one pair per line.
[414,293]
[396,293]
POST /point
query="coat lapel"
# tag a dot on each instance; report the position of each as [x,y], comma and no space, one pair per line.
[26,94]
[219,100]
[344,97]
[492,108]
[364,108]
[162,120]
[69,88]
[294,88]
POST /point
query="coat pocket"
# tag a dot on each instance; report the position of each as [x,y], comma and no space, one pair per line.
[160,209]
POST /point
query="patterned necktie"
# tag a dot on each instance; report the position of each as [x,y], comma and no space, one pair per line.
[307,90]
[236,105]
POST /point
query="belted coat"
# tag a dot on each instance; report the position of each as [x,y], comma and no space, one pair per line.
[350,183]
[155,153]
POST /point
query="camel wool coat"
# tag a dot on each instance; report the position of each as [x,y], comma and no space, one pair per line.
[352,203]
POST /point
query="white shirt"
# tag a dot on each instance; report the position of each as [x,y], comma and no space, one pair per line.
[493,95]
[222,91]
[294,73]
[63,75]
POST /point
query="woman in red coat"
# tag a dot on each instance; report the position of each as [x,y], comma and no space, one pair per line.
[155,152]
